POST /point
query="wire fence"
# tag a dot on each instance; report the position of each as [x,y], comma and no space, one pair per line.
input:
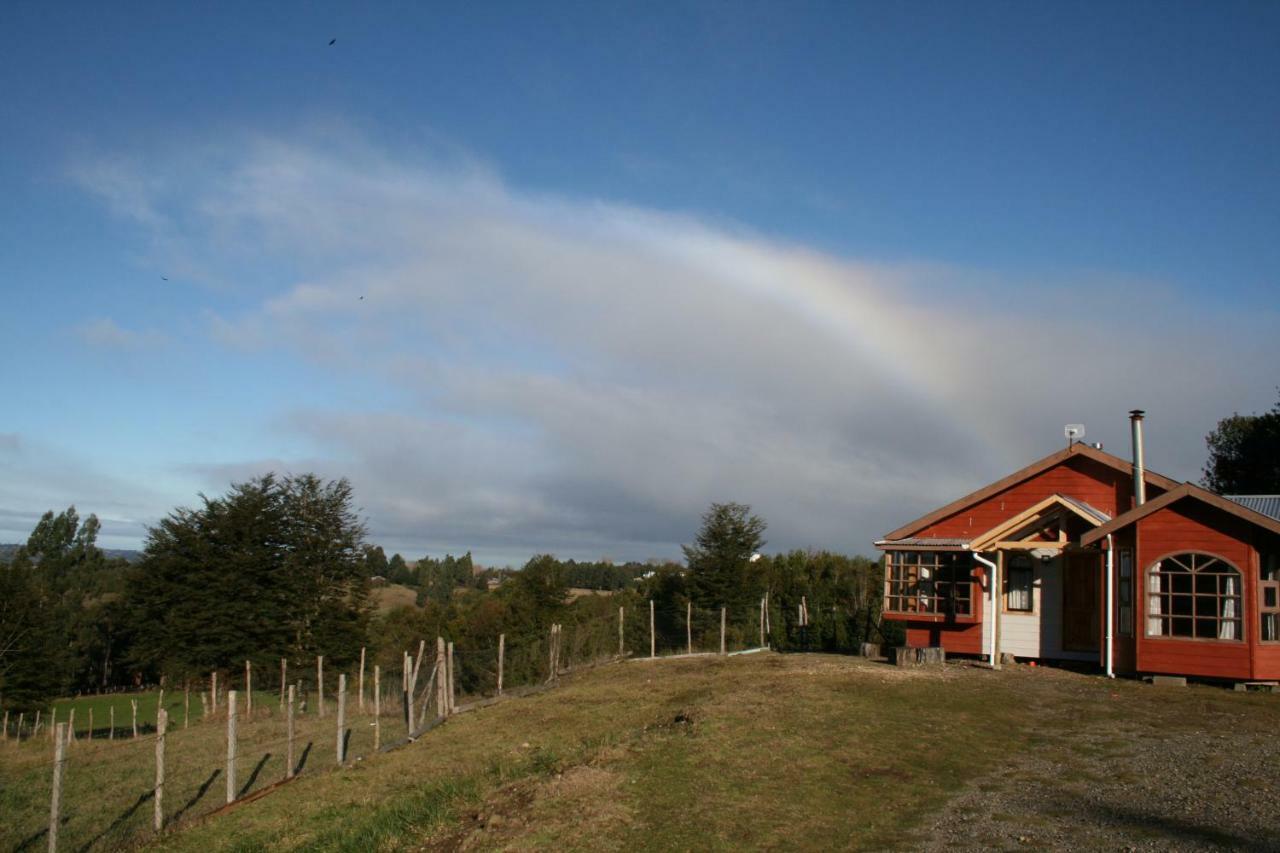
[108,779]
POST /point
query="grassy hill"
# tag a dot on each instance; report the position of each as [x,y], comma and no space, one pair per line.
[392,597]
[772,751]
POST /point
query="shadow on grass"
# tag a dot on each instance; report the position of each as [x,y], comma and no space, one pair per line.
[253,777]
[197,797]
[29,842]
[302,760]
[120,821]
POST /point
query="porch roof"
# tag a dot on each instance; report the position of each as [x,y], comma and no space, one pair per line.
[925,542]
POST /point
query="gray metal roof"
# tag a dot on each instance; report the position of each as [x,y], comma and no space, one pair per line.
[923,542]
[1099,515]
[1268,505]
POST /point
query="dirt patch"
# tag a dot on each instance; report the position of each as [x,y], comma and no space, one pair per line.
[576,808]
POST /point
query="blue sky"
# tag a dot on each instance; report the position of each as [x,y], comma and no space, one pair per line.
[839,261]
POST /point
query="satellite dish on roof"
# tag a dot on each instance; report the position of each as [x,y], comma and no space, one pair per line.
[1073,432]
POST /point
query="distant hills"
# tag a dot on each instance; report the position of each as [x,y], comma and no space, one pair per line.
[7,550]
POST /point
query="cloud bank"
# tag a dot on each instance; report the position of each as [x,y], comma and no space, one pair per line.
[584,376]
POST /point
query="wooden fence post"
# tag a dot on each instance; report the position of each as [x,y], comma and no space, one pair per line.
[162,726]
[53,723]
[342,718]
[551,654]
[442,707]
[111,726]
[186,705]
[248,690]
[653,641]
[723,611]
[405,666]
[6,726]
[410,679]
[320,684]
[231,746]
[71,726]
[288,757]
[134,704]
[36,730]
[55,797]
[502,650]
[284,681]
[688,626]
[621,647]
[213,690]
[413,681]
[302,698]
[90,722]
[377,707]
[761,622]
[449,670]
[22,718]
[360,703]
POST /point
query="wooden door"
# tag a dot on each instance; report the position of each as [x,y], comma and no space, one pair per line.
[1080,611]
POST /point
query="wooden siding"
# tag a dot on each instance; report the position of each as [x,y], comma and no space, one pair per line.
[1191,526]
[960,640]
[1079,477]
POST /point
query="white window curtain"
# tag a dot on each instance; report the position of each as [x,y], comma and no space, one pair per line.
[1227,631]
[1154,626]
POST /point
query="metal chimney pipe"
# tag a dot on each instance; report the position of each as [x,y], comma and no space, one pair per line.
[1139,481]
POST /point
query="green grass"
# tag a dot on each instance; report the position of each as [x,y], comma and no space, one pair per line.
[99,708]
[765,751]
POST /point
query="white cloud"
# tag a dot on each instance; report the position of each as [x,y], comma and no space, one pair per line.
[108,334]
[585,376]
[37,475]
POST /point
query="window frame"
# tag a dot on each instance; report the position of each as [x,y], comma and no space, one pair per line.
[904,586]
[1194,595]
[1022,564]
[1268,563]
[1124,592]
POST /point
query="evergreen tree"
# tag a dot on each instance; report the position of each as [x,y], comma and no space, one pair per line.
[375,563]
[31,642]
[720,558]
[398,571]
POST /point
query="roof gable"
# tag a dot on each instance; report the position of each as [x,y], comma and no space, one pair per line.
[1184,491]
[1075,451]
[1052,506]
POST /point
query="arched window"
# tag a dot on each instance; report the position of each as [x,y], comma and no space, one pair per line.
[1194,595]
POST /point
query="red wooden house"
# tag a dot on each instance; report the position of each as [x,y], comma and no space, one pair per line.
[1094,558]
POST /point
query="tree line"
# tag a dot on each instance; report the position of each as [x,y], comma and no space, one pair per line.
[278,567]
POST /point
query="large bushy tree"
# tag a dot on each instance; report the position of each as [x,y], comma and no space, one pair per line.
[1244,455]
[720,558]
[273,568]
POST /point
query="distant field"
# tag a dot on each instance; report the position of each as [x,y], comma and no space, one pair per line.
[765,751]
[393,596]
[577,592]
[174,702]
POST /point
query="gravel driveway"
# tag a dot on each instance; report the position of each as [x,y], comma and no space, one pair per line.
[1198,769]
